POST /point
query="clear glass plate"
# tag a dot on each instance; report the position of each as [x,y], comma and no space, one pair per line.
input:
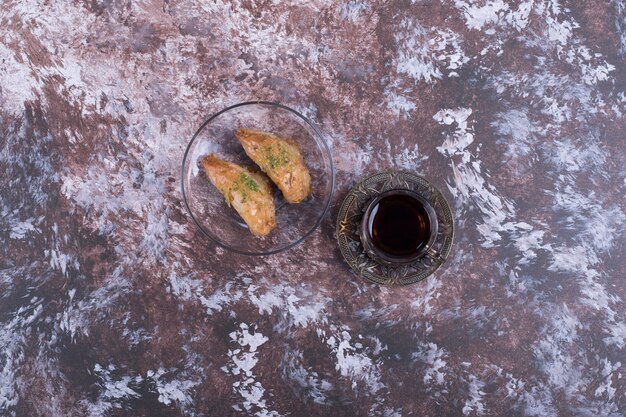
[206,204]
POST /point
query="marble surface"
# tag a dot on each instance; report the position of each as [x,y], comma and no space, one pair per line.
[112,303]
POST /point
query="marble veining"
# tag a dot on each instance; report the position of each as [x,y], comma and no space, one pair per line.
[112,303]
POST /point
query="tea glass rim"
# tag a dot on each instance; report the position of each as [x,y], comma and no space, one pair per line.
[383,257]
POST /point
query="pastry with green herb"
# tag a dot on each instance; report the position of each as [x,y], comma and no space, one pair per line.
[248,192]
[280,159]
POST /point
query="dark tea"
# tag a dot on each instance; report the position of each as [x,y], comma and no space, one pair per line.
[399,225]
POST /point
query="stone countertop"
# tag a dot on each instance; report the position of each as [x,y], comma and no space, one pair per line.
[112,303]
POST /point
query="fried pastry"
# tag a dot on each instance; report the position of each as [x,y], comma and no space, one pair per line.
[280,159]
[248,192]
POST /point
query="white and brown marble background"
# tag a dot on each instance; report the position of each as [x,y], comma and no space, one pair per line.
[112,303]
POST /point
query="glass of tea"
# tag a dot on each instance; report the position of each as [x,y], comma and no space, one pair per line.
[399,227]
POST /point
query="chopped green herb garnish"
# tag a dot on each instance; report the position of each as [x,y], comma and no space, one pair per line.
[249,183]
[277,159]
[272,161]
[243,183]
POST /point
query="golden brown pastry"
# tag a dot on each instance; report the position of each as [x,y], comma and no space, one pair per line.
[248,192]
[280,159]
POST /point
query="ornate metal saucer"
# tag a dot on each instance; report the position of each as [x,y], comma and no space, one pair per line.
[349,221]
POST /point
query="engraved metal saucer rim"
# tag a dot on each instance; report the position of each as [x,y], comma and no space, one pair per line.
[351,212]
